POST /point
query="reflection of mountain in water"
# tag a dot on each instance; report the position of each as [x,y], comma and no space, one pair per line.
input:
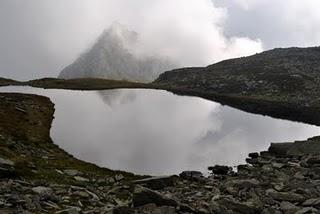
[114,98]
[115,56]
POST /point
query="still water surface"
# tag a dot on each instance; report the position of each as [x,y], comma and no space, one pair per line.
[156,132]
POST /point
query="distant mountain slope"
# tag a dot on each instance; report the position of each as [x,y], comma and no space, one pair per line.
[110,57]
[292,73]
[5,82]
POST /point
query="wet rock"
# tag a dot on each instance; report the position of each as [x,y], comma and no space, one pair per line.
[220,170]
[143,196]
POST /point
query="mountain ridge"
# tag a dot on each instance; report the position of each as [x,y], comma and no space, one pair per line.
[286,71]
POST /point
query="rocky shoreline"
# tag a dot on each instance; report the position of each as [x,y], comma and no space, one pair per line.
[36,176]
[283,106]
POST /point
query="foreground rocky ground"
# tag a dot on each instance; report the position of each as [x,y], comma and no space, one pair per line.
[36,176]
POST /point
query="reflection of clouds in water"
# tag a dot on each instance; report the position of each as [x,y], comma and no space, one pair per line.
[242,132]
[159,129]
[114,98]
[156,132]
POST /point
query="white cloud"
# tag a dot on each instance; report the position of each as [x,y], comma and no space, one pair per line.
[276,23]
[48,35]
[246,4]
[190,32]
[40,37]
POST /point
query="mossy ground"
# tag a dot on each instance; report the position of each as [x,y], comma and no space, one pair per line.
[85,84]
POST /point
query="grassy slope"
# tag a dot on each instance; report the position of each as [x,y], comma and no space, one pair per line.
[84,84]
[25,122]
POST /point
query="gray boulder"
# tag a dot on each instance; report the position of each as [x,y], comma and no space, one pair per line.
[143,196]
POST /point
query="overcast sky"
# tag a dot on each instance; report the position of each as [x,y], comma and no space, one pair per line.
[38,38]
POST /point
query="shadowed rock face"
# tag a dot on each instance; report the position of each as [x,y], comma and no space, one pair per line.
[113,56]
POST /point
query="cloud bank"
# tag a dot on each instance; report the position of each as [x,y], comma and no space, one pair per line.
[282,23]
[40,37]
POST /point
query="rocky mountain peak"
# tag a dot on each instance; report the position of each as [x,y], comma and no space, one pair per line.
[112,57]
[117,35]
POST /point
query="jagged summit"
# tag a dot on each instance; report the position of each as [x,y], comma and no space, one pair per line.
[112,57]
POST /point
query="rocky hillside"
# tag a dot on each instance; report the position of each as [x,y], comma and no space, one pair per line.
[283,82]
[113,57]
[288,72]
[5,82]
